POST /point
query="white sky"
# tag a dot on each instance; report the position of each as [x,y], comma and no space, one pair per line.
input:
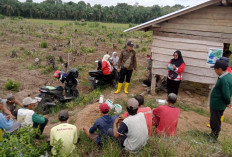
[132,2]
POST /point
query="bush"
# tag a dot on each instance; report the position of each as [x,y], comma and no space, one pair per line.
[12,85]
[22,143]
[2,16]
[144,49]
[44,44]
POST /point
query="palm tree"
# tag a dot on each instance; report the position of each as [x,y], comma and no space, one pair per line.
[9,8]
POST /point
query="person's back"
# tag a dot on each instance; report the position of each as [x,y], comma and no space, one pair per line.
[168,119]
[67,133]
[24,116]
[103,124]
[137,134]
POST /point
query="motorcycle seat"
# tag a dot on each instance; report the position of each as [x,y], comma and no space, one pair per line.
[98,72]
[52,88]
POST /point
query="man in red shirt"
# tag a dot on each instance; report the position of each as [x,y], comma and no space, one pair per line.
[166,117]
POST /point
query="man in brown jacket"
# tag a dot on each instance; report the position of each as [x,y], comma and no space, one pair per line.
[126,64]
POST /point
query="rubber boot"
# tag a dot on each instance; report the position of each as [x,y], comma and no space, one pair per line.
[222,118]
[119,88]
[126,87]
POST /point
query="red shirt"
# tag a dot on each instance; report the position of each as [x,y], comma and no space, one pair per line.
[166,118]
[105,68]
[148,116]
[179,70]
[229,70]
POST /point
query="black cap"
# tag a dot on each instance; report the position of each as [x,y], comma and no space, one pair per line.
[220,64]
[130,43]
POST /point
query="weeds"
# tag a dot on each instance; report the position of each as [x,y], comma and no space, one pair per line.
[12,85]
[44,44]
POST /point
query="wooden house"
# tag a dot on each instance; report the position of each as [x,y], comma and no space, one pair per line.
[193,31]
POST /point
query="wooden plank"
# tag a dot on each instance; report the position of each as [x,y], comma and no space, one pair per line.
[195,27]
[194,37]
[190,54]
[215,10]
[183,46]
[188,61]
[195,33]
[209,72]
[201,21]
[189,77]
[189,41]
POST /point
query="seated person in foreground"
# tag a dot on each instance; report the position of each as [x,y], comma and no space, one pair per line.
[7,123]
[10,103]
[103,124]
[27,117]
[146,110]
[66,132]
[132,133]
[166,117]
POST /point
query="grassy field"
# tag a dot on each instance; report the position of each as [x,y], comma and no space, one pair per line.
[90,41]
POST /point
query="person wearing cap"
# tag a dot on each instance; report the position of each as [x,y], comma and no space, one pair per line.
[145,110]
[27,117]
[10,102]
[4,109]
[166,117]
[103,124]
[220,97]
[126,65]
[65,132]
[132,133]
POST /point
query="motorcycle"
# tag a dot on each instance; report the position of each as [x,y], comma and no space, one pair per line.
[97,78]
[51,96]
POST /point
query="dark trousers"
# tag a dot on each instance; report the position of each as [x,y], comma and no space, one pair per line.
[41,126]
[125,73]
[173,86]
[147,82]
[109,79]
[215,122]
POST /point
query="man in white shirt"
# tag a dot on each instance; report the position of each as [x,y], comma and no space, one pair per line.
[133,132]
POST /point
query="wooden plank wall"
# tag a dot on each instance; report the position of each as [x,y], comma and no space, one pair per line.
[213,23]
[194,53]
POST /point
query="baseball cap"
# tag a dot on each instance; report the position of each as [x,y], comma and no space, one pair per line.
[63,115]
[104,107]
[132,103]
[220,64]
[10,97]
[130,43]
[28,100]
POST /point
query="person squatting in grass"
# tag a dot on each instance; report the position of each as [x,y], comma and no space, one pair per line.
[220,97]
[166,117]
[175,68]
[145,110]
[27,117]
[126,64]
[65,132]
[107,69]
[103,124]
[132,133]
[10,103]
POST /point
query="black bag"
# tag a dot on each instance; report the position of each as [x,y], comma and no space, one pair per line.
[173,74]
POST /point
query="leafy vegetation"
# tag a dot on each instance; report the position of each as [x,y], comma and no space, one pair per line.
[55,9]
[44,44]
[12,85]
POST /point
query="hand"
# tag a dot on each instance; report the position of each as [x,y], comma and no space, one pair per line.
[229,106]
[174,67]
[8,117]
[118,70]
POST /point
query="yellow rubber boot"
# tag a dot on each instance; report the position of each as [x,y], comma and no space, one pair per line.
[222,118]
[126,87]
[119,88]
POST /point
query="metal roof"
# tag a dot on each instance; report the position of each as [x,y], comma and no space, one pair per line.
[172,15]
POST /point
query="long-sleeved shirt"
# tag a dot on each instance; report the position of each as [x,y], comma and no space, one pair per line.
[125,54]
[4,123]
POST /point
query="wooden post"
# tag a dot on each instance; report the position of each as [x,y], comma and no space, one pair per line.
[153,84]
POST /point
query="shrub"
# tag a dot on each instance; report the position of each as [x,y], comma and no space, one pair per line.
[44,44]
[12,85]
[144,49]
[22,143]
[27,52]
[90,50]
[48,69]
[2,16]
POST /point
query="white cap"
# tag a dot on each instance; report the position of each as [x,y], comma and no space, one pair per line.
[28,100]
